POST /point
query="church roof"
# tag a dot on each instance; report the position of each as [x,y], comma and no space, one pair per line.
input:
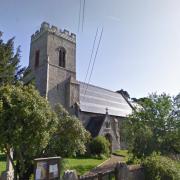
[95,124]
[95,99]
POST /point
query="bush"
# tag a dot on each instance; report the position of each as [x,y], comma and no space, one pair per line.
[160,168]
[99,146]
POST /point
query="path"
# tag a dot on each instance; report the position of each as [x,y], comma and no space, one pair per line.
[107,165]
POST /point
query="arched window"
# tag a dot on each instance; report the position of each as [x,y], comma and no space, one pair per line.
[62,57]
[107,124]
[37,53]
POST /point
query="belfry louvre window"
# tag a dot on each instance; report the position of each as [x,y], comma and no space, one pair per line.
[62,57]
[37,53]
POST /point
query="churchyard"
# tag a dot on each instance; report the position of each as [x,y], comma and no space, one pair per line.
[31,128]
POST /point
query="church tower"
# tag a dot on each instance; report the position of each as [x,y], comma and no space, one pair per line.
[53,65]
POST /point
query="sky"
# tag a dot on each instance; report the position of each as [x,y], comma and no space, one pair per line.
[140,46]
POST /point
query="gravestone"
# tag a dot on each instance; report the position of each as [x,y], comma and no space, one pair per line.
[122,171]
[70,175]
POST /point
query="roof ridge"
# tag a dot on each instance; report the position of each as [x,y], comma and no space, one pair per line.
[99,87]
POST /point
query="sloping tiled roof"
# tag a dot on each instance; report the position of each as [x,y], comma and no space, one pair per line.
[96,99]
[95,124]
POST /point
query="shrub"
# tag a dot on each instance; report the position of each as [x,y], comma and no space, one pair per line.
[99,146]
[158,167]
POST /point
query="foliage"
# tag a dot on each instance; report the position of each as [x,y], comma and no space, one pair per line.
[70,138]
[10,69]
[178,165]
[124,93]
[82,165]
[155,126]
[99,146]
[26,125]
[158,167]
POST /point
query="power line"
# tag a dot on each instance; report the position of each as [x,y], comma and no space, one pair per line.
[94,61]
[79,21]
[92,52]
[83,15]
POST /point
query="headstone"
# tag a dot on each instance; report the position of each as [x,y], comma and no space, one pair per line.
[122,171]
[70,175]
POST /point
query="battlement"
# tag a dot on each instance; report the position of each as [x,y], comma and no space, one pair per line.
[45,27]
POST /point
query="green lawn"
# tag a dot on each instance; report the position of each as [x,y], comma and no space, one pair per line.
[81,165]
[123,153]
[2,163]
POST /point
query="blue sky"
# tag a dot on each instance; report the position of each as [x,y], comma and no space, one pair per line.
[140,48]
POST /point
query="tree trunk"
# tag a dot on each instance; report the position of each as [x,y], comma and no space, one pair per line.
[10,166]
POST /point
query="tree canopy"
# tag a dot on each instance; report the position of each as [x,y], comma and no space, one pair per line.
[10,68]
[124,93]
[70,138]
[26,124]
[154,127]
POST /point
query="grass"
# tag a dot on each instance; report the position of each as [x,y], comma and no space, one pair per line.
[81,165]
[2,163]
[123,153]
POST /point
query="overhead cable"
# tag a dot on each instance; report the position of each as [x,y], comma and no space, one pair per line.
[79,20]
[92,52]
[94,61]
[83,14]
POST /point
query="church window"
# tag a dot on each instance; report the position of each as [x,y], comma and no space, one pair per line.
[36,64]
[107,124]
[62,57]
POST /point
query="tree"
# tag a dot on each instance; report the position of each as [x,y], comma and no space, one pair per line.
[10,69]
[70,138]
[124,93]
[26,125]
[154,127]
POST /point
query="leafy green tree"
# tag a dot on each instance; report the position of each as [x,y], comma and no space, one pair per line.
[154,126]
[26,125]
[10,69]
[124,93]
[70,138]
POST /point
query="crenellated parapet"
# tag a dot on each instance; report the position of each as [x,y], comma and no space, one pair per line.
[45,27]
